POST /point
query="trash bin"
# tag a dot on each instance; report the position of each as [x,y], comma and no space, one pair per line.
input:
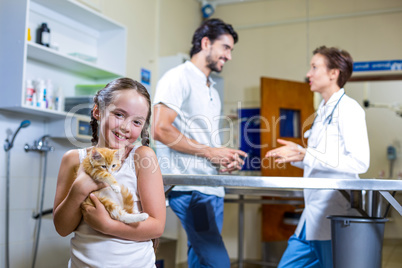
[357,241]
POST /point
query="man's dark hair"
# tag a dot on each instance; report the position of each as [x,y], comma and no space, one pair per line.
[213,29]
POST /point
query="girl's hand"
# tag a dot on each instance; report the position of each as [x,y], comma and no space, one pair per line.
[84,184]
[96,216]
[290,152]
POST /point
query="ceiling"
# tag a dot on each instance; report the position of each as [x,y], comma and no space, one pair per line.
[226,2]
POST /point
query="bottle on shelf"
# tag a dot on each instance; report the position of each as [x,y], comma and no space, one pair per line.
[43,35]
[41,94]
[34,98]
[37,93]
[49,95]
[29,38]
[59,100]
[29,93]
[44,100]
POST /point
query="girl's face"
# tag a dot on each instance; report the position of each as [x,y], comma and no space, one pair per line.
[122,121]
[320,77]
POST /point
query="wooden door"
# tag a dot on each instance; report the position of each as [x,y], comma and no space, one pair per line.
[277,98]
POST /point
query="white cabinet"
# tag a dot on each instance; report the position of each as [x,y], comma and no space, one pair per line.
[91,49]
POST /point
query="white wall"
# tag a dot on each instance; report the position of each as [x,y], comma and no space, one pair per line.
[384,129]
[384,126]
[25,177]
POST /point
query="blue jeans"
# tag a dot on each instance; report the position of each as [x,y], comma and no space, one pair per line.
[202,218]
[306,253]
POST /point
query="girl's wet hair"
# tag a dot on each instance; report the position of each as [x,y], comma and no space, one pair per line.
[337,59]
[105,97]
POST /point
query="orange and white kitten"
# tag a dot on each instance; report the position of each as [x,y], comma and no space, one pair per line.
[100,163]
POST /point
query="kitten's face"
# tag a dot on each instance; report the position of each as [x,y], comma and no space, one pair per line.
[106,159]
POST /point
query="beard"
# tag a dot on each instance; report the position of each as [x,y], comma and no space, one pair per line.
[212,65]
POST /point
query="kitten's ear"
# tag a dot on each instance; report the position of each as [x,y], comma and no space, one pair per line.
[120,153]
[95,154]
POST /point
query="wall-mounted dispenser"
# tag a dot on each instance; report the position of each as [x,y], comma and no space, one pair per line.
[72,127]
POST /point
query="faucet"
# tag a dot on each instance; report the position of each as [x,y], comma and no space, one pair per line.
[40,145]
[9,144]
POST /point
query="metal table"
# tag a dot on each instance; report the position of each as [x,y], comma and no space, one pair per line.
[281,186]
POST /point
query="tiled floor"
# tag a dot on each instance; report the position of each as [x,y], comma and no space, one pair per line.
[391,255]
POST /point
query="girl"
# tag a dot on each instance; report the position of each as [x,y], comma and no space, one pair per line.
[338,147]
[122,112]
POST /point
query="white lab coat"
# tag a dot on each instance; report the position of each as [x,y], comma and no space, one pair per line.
[336,150]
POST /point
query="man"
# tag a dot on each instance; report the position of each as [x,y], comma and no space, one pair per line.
[186,127]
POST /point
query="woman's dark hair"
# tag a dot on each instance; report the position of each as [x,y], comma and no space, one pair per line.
[337,59]
[105,97]
[213,29]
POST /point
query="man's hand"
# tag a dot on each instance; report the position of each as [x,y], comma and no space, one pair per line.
[229,159]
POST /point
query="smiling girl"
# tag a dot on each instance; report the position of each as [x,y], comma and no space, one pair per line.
[120,115]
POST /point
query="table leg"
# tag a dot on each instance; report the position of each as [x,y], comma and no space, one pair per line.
[392,201]
[241,232]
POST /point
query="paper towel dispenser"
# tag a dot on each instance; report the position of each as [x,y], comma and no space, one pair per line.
[75,127]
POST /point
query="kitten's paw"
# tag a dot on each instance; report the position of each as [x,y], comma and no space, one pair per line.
[116,188]
[143,216]
[130,218]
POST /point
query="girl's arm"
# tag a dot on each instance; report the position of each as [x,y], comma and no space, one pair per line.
[151,192]
[71,191]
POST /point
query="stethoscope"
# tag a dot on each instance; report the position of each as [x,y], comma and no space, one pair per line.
[329,118]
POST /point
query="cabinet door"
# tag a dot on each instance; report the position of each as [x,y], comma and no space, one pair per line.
[13,21]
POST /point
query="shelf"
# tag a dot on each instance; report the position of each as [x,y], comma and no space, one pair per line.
[52,57]
[75,29]
[37,112]
[81,13]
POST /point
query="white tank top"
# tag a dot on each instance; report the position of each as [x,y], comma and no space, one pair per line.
[90,248]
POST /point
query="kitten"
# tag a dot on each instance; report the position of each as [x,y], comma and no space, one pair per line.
[100,163]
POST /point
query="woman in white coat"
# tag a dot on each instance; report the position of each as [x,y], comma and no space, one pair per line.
[337,147]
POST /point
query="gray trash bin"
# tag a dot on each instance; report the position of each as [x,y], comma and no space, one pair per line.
[357,241]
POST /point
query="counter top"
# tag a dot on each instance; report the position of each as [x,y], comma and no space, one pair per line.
[282,183]
[285,186]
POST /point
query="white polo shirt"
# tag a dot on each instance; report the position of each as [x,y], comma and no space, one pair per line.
[198,109]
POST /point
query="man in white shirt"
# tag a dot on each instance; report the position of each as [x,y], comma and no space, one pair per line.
[186,127]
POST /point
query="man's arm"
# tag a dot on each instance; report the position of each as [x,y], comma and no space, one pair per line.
[164,131]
